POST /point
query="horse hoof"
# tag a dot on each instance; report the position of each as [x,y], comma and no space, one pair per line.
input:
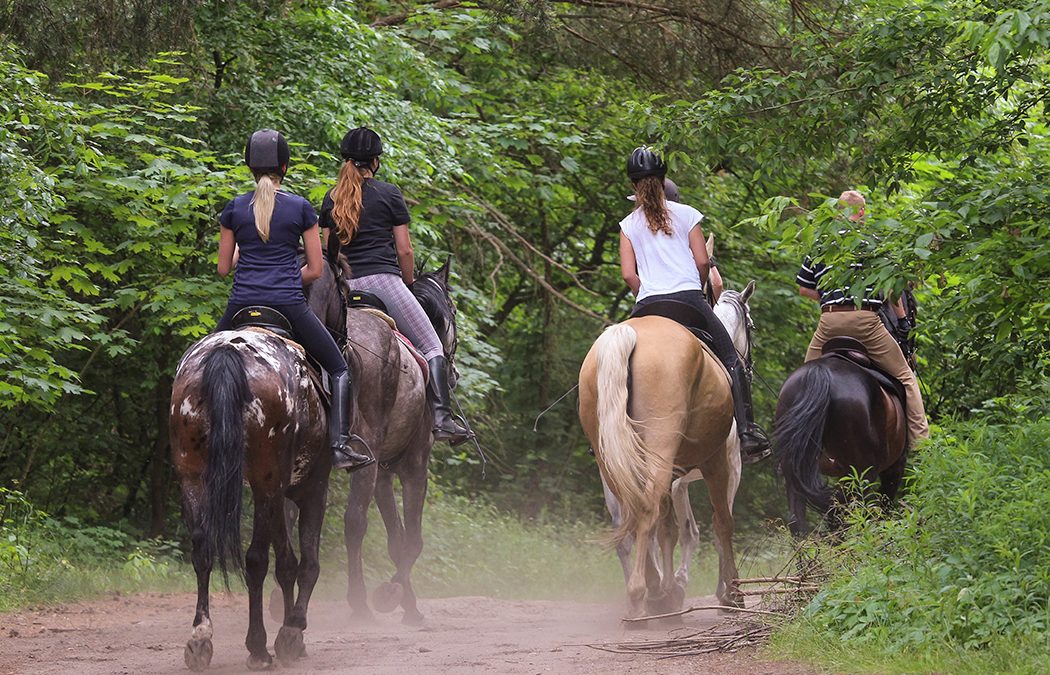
[676,598]
[264,662]
[289,645]
[277,604]
[412,619]
[198,654]
[387,596]
[635,625]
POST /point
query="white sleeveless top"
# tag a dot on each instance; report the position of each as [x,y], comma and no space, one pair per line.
[665,263]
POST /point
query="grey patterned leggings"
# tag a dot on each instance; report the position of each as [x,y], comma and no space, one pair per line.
[404,309]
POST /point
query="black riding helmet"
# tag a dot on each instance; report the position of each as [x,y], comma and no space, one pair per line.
[361,146]
[267,152]
[645,162]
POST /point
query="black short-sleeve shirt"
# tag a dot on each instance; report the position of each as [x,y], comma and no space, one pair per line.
[372,250]
[268,272]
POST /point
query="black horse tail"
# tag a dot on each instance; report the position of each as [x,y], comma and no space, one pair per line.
[800,435]
[226,393]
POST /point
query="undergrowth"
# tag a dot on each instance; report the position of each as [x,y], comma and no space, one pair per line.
[958,578]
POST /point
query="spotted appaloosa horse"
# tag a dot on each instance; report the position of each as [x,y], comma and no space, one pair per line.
[243,406]
[672,415]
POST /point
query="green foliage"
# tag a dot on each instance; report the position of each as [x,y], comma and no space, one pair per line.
[964,564]
[48,559]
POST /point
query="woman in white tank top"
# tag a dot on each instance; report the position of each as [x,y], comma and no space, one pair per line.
[663,258]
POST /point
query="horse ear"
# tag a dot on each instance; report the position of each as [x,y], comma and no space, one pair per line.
[748,290]
[446,269]
[710,244]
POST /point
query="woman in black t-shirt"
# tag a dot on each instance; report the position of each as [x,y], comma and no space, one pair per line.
[370,218]
[260,234]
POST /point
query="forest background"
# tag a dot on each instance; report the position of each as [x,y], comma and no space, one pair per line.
[122,124]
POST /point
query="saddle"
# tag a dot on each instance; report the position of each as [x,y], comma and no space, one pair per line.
[679,312]
[854,351]
[269,319]
[371,302]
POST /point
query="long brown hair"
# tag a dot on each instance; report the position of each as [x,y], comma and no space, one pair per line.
[346,195]
[649,194]
[262,203]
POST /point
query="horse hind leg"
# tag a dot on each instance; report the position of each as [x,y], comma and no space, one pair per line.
[623,547]
[257,561]
[198,651]
[387,596]
[355,525]
[413,495]
[290,645]
[719,485]
[688,532]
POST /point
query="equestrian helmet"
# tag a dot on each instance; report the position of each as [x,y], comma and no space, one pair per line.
[645,162]
[267,151]
[360,145]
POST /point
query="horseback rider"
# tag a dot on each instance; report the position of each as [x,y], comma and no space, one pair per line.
[370,220]
[260,235]
[663,257]
[840,316]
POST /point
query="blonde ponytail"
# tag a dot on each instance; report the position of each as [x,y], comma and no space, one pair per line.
[649,193]
[347,195]
[262,204]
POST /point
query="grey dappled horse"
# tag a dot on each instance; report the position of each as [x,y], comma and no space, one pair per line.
[393,416]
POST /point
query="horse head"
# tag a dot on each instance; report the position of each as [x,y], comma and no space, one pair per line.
[432,291]
[732,309]
[325,297]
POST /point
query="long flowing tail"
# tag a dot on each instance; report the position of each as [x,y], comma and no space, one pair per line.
[226,393]
[628,464]
[800,434]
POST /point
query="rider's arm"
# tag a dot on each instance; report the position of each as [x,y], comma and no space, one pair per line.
[314,257]
[699,250]
[405,258]
[629,265]
[227,251]
[810,293]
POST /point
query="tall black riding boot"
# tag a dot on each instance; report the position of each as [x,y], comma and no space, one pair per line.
[339,436]
[446,426]
[754,445]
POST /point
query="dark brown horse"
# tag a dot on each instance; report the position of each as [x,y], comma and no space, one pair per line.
[394,418]
[244,407]
[833,419]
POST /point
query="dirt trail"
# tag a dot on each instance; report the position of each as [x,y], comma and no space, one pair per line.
[145,634]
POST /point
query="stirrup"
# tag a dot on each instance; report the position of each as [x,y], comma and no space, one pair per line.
[760,447]
[458,435]
[343,457]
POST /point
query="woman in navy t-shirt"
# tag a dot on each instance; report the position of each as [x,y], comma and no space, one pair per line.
[260,235]
[370,219]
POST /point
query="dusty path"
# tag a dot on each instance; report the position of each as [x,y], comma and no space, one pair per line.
[145,634]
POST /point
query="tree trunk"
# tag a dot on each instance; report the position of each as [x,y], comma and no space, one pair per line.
[159,472]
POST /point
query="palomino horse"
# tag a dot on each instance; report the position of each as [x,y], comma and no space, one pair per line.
[243,406]
[654,404]
[395,419]
[733,311]
[833,418]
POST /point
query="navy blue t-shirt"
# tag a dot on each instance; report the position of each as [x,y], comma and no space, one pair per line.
[372,250]
[268,272]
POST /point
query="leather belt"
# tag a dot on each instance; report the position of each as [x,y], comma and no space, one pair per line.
[846,308]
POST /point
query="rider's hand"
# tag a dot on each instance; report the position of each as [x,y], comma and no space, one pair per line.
[905,326]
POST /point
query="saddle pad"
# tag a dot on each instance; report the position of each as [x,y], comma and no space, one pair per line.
[416,354]
[381,314]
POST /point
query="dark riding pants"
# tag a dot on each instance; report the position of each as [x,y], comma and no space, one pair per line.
[309,331]
[722,344]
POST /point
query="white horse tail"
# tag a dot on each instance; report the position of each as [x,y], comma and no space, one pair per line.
[627,464]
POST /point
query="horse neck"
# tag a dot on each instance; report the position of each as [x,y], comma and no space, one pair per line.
[734,318]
